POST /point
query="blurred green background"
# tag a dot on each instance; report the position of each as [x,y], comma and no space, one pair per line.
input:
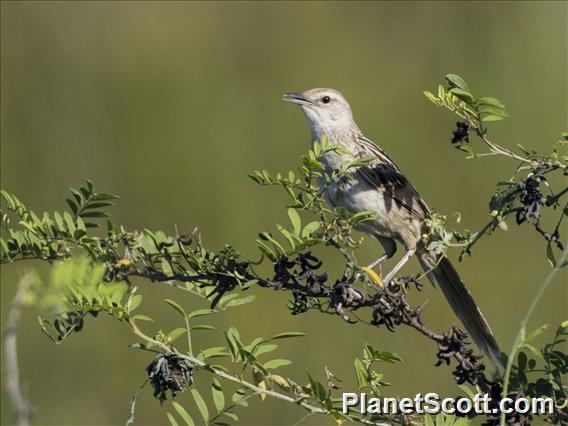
[170,105]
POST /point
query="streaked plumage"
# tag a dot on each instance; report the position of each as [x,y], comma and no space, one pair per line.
[381,187]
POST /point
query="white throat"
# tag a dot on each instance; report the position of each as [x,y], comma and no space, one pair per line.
[335,130]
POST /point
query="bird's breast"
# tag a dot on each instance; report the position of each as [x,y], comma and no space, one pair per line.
[356,195]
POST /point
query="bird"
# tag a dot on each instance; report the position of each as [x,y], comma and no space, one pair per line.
[399,211]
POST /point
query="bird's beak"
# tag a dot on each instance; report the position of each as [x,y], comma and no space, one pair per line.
[297,98]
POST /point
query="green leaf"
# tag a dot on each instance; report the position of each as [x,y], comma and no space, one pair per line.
[4,246]
[534,350]
[103,196]
[485,100]
[287,335]
[317,388]
[428,420]
[456,81]
[257,341]
[201,406]
[460,421]
[550,255]
[241,301]
[142,318]
[238,396]
[135,301]
[464,95]
[166,267]
[175,333]
[522,148]
[216,351]
[227,297]
[97,205]
[361,373]
[77,195]
[177,307]
[492,117]
[59,222]
[172,420]
[266,250]
[94,214]
[218,396]
[232,337]
[536,332]
[468,392]
[28,226]
[384,356]
[232,416]
[276,244]
[202,327]
[489,109]
[295,220]
[81,225]
[72,205]
[286,234]
[275,363]
[465,148]
[200,313]
[263,349]
[431,97]
[310,228]
[183,414]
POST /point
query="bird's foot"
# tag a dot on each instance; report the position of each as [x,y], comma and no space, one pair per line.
[373,276]
[388,278]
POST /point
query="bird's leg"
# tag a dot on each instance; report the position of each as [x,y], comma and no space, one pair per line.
[409,253]
[389,245]
[378,260]
[390,249]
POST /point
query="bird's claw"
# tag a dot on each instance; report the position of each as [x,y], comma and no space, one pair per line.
[373,276]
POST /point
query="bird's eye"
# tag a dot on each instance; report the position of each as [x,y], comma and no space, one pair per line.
[326,99]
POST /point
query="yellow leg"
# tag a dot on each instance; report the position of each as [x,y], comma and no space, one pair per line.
[373,276]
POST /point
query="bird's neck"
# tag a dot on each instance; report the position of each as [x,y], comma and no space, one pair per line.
[344,134]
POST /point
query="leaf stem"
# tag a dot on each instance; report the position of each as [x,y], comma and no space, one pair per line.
[189,347]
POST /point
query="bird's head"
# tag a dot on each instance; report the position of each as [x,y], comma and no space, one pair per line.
[327,110]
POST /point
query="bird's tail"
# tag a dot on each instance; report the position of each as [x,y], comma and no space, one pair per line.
[441,269]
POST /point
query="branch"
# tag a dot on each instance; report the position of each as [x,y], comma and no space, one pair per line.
[499,150]
[193,361]
[389,305]
[22,407]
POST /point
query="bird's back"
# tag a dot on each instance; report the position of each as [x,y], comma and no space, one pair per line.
[378,186]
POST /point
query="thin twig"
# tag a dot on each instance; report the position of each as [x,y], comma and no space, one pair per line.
[22,407]
[508,153]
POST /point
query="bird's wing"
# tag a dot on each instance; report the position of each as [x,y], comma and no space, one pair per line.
[383,174]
